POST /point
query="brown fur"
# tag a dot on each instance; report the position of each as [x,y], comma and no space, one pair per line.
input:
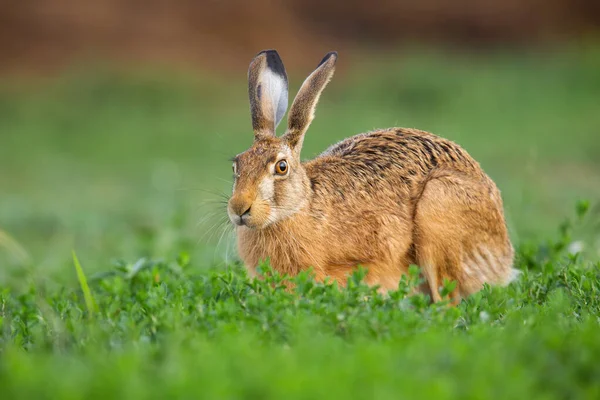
[382,200]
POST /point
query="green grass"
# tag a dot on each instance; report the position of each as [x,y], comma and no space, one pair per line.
[166,330]
[126,170]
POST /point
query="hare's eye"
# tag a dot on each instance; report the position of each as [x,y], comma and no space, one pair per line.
[281,167]
[234,168]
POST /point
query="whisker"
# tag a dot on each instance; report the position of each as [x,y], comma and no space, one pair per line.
[301,212]
[211,230]
[218,227]
[224,180]
[226,230]
[205,190]
[209,216]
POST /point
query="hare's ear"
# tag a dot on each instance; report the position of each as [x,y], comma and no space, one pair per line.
[268,92]
[302,111]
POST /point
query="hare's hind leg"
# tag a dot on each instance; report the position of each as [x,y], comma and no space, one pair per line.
[460,234]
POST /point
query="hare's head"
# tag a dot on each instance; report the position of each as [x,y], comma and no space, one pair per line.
[270,183]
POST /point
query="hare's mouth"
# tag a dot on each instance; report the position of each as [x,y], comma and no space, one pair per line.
[257,215]
[240,220]
[247,220]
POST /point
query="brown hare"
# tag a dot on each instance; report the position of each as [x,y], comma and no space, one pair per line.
[382,200]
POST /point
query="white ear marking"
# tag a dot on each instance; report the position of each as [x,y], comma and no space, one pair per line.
[268,92]
[275,87]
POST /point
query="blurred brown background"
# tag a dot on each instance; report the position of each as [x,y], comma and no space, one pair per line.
[46,35]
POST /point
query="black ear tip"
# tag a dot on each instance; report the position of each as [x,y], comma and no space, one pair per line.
[268,52]
[274,63]
[328,56]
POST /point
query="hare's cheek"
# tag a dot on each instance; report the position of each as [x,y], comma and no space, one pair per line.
[266,188]
[261,215]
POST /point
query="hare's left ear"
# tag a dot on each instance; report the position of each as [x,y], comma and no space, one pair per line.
[302,111]
[268,92]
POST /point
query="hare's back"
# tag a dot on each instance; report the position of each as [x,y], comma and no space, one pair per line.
[395,150]
[389,167]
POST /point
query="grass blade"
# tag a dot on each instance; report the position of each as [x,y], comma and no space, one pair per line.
[14,248]
[91,305]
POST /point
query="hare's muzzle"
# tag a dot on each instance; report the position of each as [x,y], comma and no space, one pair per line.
[239,211]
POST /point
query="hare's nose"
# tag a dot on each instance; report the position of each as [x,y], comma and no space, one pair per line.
[245,215]
[242,210]
[241,217]
[239,210]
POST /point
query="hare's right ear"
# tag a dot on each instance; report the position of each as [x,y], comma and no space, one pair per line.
[302,111]
[268,92]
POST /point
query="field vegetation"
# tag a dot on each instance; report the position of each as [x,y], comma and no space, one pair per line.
[118,272]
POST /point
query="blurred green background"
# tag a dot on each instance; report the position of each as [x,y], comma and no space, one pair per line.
[116,143]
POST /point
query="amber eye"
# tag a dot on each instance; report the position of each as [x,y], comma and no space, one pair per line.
[281,167]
